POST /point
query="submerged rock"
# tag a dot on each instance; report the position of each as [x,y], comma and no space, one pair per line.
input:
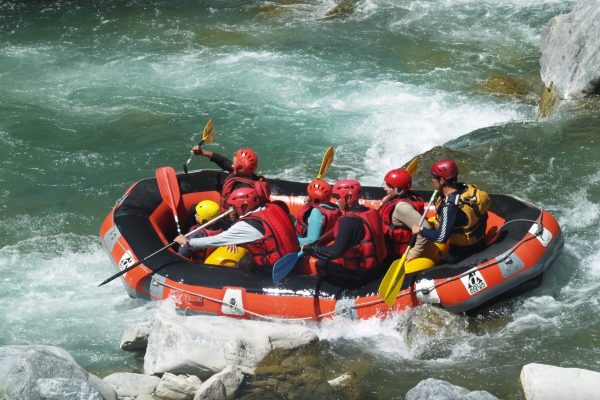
[431,388]
[344,7]
[548,99]
[47,372]
[548,382]
[570,61]
[204,345]
[505,86]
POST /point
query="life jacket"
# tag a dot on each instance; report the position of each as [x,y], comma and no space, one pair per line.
[330,213]
[397,237]
[473,204]
[279,238]
[371,251]
[202,254]
[232,182]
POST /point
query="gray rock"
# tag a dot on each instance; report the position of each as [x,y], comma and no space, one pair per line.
[135,338]
[435,389]
[205,345]
[39,372]
[178,387]
[211,390]
[231,378]
[547,382]
[128,384]
[570,61]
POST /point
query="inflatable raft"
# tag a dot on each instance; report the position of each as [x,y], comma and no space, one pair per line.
[523,242]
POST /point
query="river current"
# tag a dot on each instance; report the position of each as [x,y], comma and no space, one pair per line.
[96,95]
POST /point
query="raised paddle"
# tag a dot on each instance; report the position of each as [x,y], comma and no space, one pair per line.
[169,190]
[132,266]
[326,163]
[394,277]
[412,166]
[208,136]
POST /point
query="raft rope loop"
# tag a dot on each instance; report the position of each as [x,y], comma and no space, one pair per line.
[348,309]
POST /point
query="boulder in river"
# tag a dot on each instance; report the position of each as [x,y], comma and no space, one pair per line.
[441,390]
[570,61]
[548,382]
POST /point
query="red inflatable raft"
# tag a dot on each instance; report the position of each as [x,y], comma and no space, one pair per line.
[524,240]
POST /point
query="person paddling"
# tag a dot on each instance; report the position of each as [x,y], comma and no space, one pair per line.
[461,213]
[318,215]
[242,173]
[266,231]
[205,211]
[358,247]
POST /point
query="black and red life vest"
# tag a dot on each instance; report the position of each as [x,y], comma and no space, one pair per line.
[279,238]
[232,182]
[371,251]
[331,213]
[397,237]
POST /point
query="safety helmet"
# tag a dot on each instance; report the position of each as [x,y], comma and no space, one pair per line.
[347,191]
[206,210]
[398,178]
[319,191]
[446,169]
[243,199]
[245,161]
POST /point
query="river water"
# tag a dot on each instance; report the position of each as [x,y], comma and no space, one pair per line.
[96,95]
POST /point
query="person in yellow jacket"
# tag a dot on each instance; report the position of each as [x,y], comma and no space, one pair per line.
[461,213]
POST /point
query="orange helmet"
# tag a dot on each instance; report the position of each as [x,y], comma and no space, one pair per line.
[245,161]
[347,191]
[398,179]
[319,191]
[243,200]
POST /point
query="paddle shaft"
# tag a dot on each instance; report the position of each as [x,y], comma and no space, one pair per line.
[132,266]
[413,239]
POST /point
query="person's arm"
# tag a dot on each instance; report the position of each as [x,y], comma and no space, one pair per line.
[350,233]
[405,214]
[223,162]
[448,217]
[315,226]
[239,233]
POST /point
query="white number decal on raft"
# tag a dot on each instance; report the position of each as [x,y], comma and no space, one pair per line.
[126,260]
[544,237]
[473,282]
[232,302]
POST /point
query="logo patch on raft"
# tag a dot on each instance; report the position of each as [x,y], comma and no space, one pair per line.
[126,260]
[473,282]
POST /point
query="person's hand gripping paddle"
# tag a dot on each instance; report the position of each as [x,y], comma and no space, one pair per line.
[208,136]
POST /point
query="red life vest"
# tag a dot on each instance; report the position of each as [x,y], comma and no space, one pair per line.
[397,237]
[202,254]
[330,213]
[232,182]
[279,238]
[371,250]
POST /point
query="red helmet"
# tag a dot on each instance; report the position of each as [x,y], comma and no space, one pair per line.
[347,191]
[398,178]
[243,199]
[245,161]
[446,169]
[319,191]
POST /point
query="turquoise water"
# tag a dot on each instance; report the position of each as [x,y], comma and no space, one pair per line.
[96,96]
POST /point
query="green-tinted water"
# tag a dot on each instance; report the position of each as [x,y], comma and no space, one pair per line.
[96,95]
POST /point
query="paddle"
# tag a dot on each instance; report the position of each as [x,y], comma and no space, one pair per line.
[394,277]
[169,190]
[412,166]
[286,264]
[208,136]
[132,266]
[326,163]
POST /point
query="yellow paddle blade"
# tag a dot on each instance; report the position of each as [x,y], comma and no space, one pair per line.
[326,163]
[412,166]
[208,134]
[392,281]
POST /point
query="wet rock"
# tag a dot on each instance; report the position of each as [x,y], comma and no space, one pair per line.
[341,380]
[505,86]
[42,372]
[204,345]
[231,378]
[128,384]
[548,382]
[570,61]
[548,101]
[135,338]
[344,7]
[177,387]
[431,388]
[211,390]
